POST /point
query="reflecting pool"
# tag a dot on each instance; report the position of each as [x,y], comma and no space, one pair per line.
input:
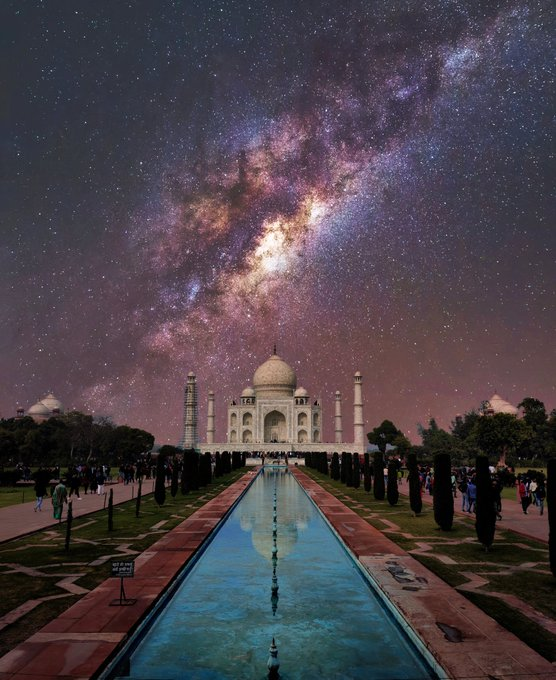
[273,570]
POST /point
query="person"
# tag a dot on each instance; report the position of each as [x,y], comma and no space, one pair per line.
[464,498]
[100,482]
[471,495]
[59,497]
[523,490]
[40,491]
[541,495]
[533,491]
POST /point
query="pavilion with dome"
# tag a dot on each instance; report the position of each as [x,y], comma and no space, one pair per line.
[48,407]
[273,414]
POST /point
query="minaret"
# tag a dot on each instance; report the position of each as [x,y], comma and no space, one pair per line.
[210,418]
[358,433]
[338,418]
[190,438]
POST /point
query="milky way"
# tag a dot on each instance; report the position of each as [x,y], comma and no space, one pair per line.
[367,185]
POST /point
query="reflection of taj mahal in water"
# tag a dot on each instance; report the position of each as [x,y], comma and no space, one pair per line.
[273,415]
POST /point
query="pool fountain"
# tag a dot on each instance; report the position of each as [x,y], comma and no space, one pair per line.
[328,622]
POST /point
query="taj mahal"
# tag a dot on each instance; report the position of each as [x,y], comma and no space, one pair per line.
[273,415]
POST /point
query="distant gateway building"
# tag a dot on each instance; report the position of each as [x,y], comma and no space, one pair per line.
[273,415]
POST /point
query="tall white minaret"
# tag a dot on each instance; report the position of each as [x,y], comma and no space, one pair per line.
[338,418]
[190,438]
[358,425]
[210,418]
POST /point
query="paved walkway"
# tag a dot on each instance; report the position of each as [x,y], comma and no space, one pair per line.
[77,644]
[17,520]
[532,524]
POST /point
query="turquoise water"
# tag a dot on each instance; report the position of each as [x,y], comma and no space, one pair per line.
[326,620]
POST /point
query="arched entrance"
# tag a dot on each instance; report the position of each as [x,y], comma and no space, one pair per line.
[275,427]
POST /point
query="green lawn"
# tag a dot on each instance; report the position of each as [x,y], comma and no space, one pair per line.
[13,495]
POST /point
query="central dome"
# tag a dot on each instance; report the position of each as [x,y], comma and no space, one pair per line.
[274,378]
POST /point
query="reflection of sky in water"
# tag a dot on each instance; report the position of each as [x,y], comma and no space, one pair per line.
[328,623]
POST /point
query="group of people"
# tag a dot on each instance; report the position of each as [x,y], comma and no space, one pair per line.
[92,479]
[531,492]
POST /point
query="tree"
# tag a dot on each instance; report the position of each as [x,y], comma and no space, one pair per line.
[378,477]
[443,499]
[551,509]
[500,435]
[384,434]
[335,466]
[485,519]
[392,493]
[160,481]
[534,412]
[175,477]
[436,440]
[415,499]
[367,479]
[349,469]
[463,426]
[356,471]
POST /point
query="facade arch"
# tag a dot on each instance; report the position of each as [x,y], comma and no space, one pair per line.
[275,429]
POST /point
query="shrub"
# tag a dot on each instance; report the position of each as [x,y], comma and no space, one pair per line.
[443,498]
[392,493]
[485,520]
[378,478]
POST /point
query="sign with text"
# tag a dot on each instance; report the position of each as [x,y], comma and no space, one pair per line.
[123,569]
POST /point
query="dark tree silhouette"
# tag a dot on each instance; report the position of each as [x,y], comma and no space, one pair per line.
[392,493]
[349,470]
[378,478]
[335,466]
[415,500]
[111,510]
[138,499]
[485,518]
[160,481]
[356,471]
[175,477]
[367,478]
[551,509]
[443,499]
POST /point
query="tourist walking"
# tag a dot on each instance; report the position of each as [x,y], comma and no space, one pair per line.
[40,491]
[524,497]
[541,495]
[59,497]
[464,497]
[100,482]
[471,495]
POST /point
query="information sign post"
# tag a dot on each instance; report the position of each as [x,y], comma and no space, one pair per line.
[123,570]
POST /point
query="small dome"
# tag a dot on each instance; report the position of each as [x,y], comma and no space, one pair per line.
[499,405]
[52,404]
[301,392]
[274,378]
[38,409]
[248,392]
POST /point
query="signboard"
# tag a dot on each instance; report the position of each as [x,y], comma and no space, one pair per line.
[123,569]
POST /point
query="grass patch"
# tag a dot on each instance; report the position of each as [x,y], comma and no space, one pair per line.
[16,495]
[528,631]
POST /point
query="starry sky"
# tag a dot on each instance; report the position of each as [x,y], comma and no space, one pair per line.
[366,183]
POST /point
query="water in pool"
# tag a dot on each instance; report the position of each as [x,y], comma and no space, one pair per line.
[326,620]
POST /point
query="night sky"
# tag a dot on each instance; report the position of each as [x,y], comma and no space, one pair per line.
[367,184]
